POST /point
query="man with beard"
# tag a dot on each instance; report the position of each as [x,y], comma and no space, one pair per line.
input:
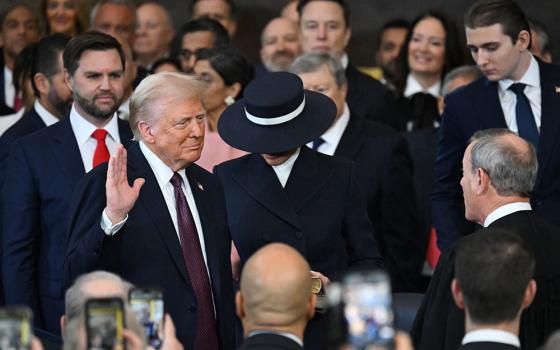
[43,169]
[279,45]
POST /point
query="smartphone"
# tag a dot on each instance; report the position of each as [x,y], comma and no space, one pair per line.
[105,321]
[367,309]
[15,327]
[147,305]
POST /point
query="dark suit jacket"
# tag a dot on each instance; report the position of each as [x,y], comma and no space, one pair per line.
[384,173]
[368,98]
[476,107]
[487,346]
[146,251]
[42,170]
[320,213]
[269,342]
[440,325]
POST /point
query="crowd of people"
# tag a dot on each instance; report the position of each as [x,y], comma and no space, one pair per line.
[132,153]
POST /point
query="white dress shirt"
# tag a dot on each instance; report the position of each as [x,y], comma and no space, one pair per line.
[291,336]
[6,121]
[86,143]
[124,109]
[491,335]
[9,88]
[283,170]
[47,117]
[344,60]
[508,99]
[506,210]
[333,135]
[414,87]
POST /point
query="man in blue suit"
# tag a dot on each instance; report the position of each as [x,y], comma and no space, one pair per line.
[517,92]
[169,228]
[43,168]
[285,192]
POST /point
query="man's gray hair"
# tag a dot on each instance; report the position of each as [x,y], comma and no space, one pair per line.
[512,170]
[76,296]
[313,61]
[459,72]
[153,94]
[128,3]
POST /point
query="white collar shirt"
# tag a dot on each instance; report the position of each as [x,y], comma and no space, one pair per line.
[291,336]
[344,60]
[508,99]
[491,335]
[47,117]
[86,143]
[333,135]
[504,210]
[414,87]
[124,110]
[9,88]
[283,170]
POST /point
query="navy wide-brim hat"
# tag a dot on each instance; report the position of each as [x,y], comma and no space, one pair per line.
[276,115]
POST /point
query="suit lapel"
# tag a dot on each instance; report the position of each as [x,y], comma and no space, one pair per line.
[352,139]
[262,184]
[489,107]
[67,153]
[154,204]
[550,121]
[307,177]
[125,133]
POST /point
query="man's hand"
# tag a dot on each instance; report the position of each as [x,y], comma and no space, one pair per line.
[120,196]
[170,341]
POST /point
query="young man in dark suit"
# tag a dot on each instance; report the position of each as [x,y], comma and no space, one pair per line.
[499,172]
[324,27]
[285,192]
[43,169]
[169,229]
[383,170]
[493,283]
[518,92]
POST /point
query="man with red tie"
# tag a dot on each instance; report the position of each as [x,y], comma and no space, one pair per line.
[44,167]
[156,218]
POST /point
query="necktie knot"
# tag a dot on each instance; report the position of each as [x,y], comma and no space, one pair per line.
[99,134]
[176,180]
[517,88]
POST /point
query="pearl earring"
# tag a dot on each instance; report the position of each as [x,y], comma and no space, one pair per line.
[229,100]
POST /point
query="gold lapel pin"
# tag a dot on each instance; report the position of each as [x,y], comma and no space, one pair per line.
[200,186]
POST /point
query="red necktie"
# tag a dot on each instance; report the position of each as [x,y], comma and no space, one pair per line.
[18,103]
[206,333]
[432,256]
[101,153]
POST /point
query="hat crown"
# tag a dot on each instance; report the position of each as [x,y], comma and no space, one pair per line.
[274,95]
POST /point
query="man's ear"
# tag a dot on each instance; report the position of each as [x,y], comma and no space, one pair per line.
[146,132]
[310,310]
[523,40]
[484,182]
[68,79]
[41,83]
[530,293]
[62,323]
[239,305]
[457,294]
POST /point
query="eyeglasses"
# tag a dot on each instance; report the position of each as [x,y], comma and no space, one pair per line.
[186,54]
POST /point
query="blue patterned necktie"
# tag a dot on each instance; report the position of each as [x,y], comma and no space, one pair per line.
[526,125]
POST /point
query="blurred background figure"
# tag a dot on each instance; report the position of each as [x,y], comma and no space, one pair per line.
[130,78]
[154,32]
[289,11]
[223,11]
[166,64]
[390,40]
[540,41]
[202,33]
[279,45]
[432,48]
[62,16]
[19,27]
[274,301]
[116,18]
[227,73]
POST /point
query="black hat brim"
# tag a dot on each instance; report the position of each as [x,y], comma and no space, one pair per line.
[239,132]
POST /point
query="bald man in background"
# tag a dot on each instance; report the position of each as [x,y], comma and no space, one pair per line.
[275,301]
[279,45]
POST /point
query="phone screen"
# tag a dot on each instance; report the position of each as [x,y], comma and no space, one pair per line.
[147,305]
[368,310]
[105,324]
[15,327]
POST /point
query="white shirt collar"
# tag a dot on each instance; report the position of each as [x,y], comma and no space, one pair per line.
[344,60]
[124,109]
[491,335]
[333,135]
[414,87]
[504,210]
[531,77]
[162,171]
[284,334]
[83,128]
[47,117]
[283,170]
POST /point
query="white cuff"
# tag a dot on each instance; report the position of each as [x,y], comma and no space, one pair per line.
[108,227]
